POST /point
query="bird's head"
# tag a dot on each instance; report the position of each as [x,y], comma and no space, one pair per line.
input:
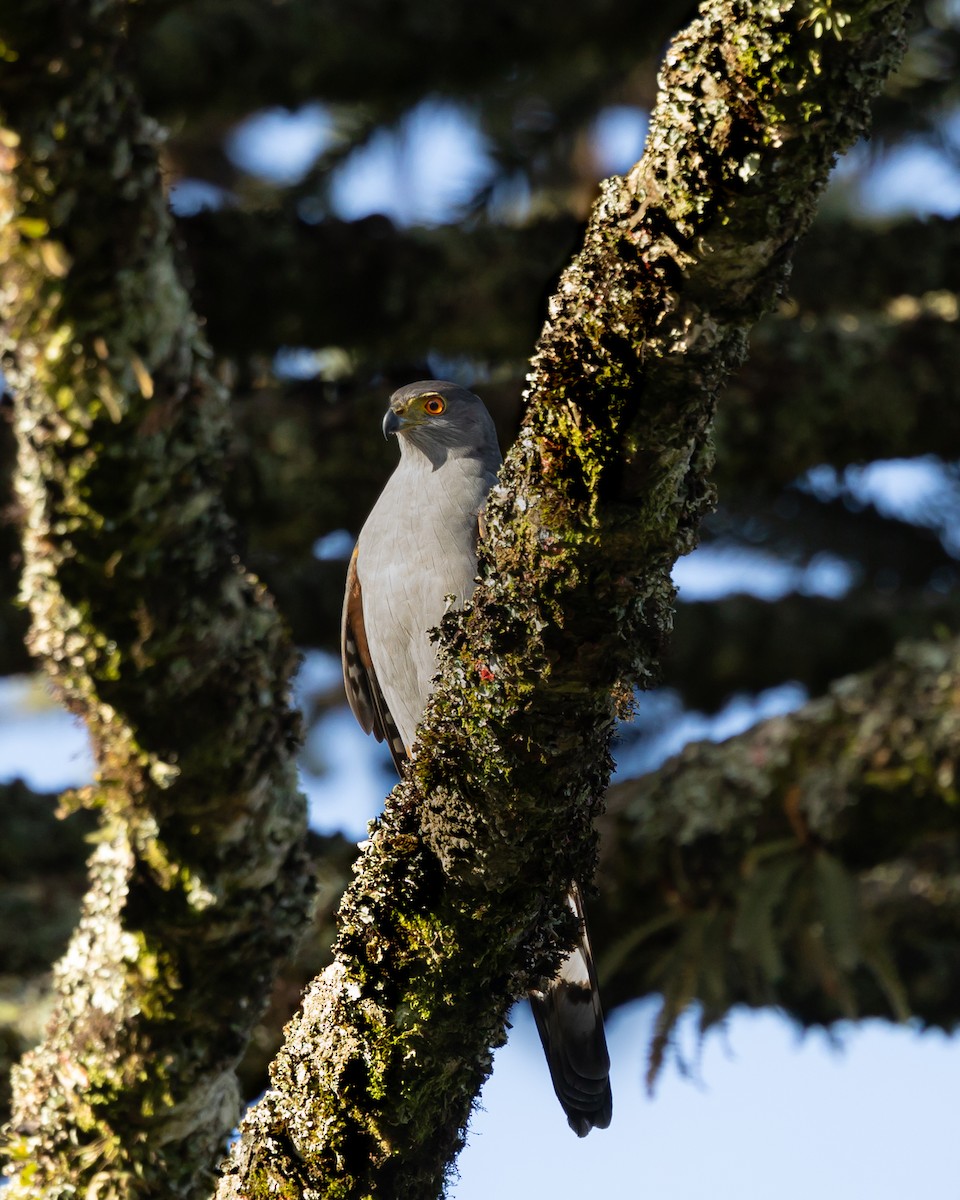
[439,417]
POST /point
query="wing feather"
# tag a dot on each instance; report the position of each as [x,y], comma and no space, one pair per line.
[359,677]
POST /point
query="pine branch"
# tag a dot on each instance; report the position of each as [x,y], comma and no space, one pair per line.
[742,644]
[823,847]
[841,388]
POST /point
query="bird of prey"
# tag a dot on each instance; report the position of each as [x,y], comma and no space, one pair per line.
[417,548]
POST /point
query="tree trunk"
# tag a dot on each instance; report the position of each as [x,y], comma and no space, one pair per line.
[151,630]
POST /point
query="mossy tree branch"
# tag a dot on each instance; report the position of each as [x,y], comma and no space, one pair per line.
[151,630]
[458,903]
[42,881]
[812,863]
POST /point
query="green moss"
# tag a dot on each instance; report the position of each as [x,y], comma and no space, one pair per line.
[265,1184]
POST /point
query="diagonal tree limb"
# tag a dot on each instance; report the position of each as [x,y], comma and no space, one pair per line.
[151,630]
[457,905]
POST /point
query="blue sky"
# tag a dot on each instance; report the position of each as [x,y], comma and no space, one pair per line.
[766,1113]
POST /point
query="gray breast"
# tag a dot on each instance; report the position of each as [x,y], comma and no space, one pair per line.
[417,548]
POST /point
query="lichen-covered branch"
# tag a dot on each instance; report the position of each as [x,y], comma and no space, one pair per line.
[844,811]
[458,902]
[812,863]
[149,627]
[42,882]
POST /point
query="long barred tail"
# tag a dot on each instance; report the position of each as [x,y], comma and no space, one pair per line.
[570,1022]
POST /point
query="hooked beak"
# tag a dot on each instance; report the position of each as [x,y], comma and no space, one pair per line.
[392,422]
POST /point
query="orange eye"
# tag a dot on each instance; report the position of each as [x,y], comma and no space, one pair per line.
[434,406]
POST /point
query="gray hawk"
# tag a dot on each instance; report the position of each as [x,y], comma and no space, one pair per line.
[417,548]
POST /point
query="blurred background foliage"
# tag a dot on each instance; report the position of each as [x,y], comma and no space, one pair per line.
[377,192]
[481,132]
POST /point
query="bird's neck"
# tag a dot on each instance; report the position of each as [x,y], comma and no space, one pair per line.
[430,457]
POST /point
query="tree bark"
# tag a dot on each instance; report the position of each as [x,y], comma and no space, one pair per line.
[151,630]
[458,903]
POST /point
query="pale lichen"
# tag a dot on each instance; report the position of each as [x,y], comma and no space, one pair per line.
[145,622]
